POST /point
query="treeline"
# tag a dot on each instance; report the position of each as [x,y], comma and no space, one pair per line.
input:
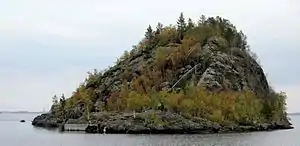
[243,108]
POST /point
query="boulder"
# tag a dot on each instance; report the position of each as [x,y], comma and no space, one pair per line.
[46,120]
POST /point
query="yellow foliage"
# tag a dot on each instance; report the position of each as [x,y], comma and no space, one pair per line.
[239,107]
[172,100]
[137,102]
[168,35]
[142,84]
[113,103]
[160,59]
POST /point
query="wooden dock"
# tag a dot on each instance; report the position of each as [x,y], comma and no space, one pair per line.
[75,127]
[81,127]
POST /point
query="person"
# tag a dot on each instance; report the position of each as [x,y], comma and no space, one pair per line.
[134,114]
[104,130]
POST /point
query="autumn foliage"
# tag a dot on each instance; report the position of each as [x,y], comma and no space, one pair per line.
[174,48]
[238,107]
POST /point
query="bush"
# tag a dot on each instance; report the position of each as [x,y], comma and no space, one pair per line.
[243,108]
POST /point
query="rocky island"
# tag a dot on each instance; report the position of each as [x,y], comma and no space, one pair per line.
[185,78]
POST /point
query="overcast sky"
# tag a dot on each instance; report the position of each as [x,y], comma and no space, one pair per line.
[47,46]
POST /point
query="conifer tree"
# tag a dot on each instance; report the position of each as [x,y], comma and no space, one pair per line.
[55,104]
[149,33]
[202,20]
[63,101]
[54,100]
[159,28]
[190,24]
[181,26]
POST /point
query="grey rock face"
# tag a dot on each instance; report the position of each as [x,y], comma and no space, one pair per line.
[218,68]
[235,72]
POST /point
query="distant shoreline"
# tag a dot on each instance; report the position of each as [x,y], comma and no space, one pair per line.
[293,113]
[19,112]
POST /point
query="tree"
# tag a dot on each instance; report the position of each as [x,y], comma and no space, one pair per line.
[202,20]
[181,25]
[168,35]
[125,56]
[126,76]
[190,24]
[149,33]
[93,78]
[211,21]
[241,41]
[159,28]
[55,104]
[137,102]
[54,100]
[160,59]
[63,102]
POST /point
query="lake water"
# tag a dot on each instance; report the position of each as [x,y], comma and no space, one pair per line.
[14,133]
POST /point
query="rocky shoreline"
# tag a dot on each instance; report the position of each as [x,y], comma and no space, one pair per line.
[154,122]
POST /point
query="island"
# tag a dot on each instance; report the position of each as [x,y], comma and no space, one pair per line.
[192,77]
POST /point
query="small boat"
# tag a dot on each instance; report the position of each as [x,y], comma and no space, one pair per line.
[22,121]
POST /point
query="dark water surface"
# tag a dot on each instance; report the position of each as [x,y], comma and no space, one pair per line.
[14,133]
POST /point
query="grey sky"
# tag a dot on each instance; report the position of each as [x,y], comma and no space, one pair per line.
[46,47]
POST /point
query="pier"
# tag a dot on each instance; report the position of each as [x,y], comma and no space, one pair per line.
[75,127]
[89,128]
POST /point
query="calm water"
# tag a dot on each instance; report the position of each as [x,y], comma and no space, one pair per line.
[14,133]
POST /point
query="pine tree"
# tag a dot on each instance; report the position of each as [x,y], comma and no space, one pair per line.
[190,24]
[241,41]
[54,100]
[181,26]
[63,101]
[202,20]
[159,28]
[149,33]
[55,104]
